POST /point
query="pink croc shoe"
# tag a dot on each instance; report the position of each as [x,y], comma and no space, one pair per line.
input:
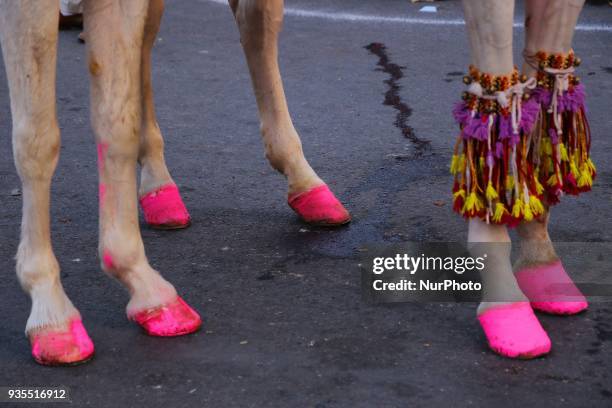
[164,208]
[551,290]
[62,347]
[174,319]
[514,331]
[319,206]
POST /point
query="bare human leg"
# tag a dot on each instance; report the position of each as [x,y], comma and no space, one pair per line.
[489,26]
[550,28]
[507,319]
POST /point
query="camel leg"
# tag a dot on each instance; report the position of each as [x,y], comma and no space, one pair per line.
[28,31]
[115,30]
[160,199]
[259,22]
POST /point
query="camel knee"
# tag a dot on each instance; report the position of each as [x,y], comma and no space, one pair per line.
[36,148]
[36,268]
[283,148]
[120,254]
[127,263]
[117,132]
[115,158]
[276,161]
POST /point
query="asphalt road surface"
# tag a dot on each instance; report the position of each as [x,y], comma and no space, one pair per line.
[285,324]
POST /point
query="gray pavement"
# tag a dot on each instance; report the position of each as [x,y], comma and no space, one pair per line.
[285,324]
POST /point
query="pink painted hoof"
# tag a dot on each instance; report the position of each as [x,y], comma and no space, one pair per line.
[56,347]
[175,319]
[551,290]
[164,208]
[514,331]
[319,206]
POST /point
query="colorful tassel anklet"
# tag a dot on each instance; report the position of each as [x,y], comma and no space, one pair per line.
[565,136]
[523,142]
[493,178]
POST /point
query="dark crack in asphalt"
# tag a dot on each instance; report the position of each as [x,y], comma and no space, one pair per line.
[394,99]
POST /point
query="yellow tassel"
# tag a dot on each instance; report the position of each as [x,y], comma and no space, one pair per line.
[472,203]
[528,214]
[574,170]
[509,182]
[459,193]
[591,166]
[491,194]
[517,209]
[585,178]
[481,163]
[536,205]
[563,150]
[454,164]
[539,186]
[469,202]
[549,164]
[552,180]
[479,204]
[457,164]
[547,146]
[500,210]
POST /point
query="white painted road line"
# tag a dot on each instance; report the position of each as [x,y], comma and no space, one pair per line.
[365,18]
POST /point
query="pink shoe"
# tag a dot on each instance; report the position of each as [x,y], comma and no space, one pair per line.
[57,348]
[551,290]
[319,206]
[164,208]
[175,319]
[514,331]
